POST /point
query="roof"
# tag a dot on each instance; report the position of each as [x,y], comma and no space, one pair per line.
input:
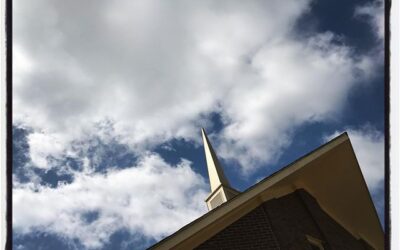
[318,172]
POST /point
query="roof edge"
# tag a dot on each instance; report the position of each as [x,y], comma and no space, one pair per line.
[343,136]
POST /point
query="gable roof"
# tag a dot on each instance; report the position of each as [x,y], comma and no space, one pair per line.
[330,173]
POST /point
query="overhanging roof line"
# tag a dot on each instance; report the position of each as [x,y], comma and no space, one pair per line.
[248,194]
[187,234]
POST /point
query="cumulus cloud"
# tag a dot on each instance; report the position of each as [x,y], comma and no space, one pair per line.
[368,144]
[41,146]
[152,199]
[157,69]
[373,12]
[297,83]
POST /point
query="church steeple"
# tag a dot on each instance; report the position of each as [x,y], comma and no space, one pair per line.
[221,190]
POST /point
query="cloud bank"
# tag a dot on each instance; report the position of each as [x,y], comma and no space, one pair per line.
[152,199]
[157,70]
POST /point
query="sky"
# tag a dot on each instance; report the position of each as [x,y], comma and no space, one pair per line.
[109,98]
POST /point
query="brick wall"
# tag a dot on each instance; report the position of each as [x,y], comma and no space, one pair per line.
[335,236]
[252,231]
[291,222]
[283,224]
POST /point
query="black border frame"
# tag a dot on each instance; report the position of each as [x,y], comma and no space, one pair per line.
[8,47]
[9,94]
[387,226]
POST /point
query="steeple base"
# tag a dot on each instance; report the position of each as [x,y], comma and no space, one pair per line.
[220,195]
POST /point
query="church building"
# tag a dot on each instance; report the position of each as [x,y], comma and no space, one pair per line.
[320,201]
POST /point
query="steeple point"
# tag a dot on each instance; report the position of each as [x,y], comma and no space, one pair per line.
[221,190]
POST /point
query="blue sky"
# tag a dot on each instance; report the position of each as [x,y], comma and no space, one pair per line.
[109,100]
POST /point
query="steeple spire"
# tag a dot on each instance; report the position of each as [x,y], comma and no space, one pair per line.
[221,190]
[215,172]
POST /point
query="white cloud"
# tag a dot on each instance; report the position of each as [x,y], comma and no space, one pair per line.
[153,199]
[156,69]
[368,144]
[374,13]
[41,146]
[297,83]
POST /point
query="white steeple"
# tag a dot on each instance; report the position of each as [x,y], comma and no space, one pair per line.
[221,190]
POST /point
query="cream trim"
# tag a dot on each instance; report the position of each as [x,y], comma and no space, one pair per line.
[314,241]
